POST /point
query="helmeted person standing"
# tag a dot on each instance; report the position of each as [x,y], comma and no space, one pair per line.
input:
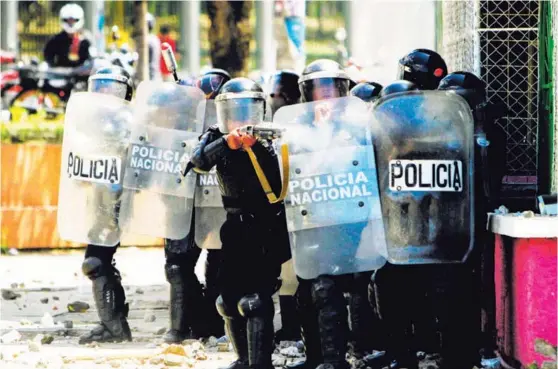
[367,91]
[254,237]
[71,47]
[421,69]
[98,265]
[326,272]
[284,91]
[490,158]
[192,310]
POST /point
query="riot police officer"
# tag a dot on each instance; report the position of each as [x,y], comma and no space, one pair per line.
[367,91]
[192,310]
[424,67]
[321,304]
[397,87]
[254,237]
[283,91]
[99,265]
[490,142]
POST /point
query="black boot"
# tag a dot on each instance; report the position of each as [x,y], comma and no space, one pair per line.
[235,328]
[179,329]
[290,325]
[236,331]
[212,291]
[309,328]
[110,301]
[361,316]
[333,321]
[258,312]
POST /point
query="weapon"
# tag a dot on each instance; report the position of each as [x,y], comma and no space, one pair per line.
[263,131]
[170,61]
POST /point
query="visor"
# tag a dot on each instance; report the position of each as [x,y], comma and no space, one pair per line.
[238,112]
[108,86]
[325,88]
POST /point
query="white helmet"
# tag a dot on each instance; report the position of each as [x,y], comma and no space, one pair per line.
[71,18]
[150,19]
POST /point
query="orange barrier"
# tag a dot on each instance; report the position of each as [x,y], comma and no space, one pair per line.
[30,177]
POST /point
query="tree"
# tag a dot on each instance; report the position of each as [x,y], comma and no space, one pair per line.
[140,36]
[230,35]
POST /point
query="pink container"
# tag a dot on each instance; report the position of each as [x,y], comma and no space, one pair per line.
[526,288]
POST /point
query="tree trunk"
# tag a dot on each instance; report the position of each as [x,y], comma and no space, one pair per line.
[140,36]
[230,35]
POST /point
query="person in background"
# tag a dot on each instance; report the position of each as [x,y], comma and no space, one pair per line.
[154,49]
[164,36]
[71,47]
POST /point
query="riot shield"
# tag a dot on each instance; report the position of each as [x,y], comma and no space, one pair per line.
[209,212]
[333,206]
[424,153]
[158,201]
[96,133]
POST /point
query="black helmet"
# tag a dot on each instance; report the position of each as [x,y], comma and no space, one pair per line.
[323,79]
[240,102]
[466,85]
[424,67]
[212,81]
[283,89]
[367,91]
[112,80]
[398,86]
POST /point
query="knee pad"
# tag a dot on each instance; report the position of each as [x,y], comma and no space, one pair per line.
[253,306]
[92,267]
[323,291]
[224,309]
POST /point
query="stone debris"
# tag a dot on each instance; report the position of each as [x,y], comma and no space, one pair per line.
[291,351]
[9,295]
[13,285]
[545,348]
[156,360]
[10,337]
[139,291]
[47,321]
[161,331]
[68,324]
[223,347]
[173,360]
[13,252]
[34,346]
[115,364]
[149,317]
[78,307]
[44,300]
[55,298]
[25,322]
[278,361]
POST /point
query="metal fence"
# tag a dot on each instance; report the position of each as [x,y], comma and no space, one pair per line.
[498,41]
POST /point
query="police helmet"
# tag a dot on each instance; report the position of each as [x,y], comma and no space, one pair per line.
[112,80]
[366,91]
[323,79]
[212,81]
[466,85]
[283,89]
[241,101]
[424,67]
[397,87]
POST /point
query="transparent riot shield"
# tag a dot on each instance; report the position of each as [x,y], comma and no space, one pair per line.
[424,153]
[209,212]
[158,201]
[333,206]
[96,134]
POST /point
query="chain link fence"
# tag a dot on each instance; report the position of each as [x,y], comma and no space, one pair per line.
[498,41]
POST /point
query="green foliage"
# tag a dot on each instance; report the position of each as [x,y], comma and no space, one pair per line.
[32,132]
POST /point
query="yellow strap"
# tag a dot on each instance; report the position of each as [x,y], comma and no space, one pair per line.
[263,179]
